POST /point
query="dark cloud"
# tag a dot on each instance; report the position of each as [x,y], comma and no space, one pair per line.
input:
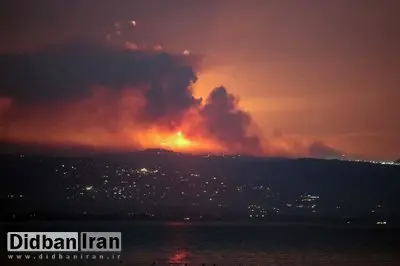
[71,72]
[321,150]
[66,78]
[172,95]
[228,123]
[309,148]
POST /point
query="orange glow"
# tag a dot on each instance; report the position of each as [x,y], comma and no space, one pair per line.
[112,121]
[177,141]
[105,120]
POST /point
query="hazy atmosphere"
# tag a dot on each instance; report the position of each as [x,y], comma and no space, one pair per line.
[282,78]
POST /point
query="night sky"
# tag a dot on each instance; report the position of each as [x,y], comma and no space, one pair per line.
[315,78]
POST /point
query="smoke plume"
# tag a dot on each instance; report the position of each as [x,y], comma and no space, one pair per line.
[89,88]
[101,96]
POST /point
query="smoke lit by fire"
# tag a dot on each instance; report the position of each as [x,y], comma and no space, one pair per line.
[106,97]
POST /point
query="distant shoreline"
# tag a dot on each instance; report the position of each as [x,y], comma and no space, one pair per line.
[208,223]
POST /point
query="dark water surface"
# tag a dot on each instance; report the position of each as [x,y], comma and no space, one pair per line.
[231,244]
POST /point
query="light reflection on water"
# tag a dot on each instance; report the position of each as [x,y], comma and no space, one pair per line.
[230,244]
[230,257]
[179,256]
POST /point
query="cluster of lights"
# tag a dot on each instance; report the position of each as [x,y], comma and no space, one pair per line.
[256,211]
[307,201]
[15,196]
[372,161]
[137,183]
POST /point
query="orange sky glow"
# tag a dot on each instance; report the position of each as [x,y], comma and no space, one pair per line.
[303,73]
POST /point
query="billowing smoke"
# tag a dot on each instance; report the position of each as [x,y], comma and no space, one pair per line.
[89,82]
[71,72]
[102,96]
[321,150]
[228,123]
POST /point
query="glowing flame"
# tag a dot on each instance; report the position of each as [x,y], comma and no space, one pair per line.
[73,124]
[177,141]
